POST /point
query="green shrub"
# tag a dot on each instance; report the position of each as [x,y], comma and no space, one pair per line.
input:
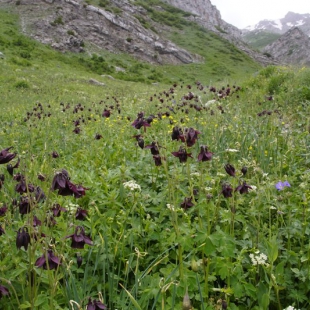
[21,84]
[58,21]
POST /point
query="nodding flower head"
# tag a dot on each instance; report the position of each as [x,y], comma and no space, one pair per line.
[6,156]
[182,154]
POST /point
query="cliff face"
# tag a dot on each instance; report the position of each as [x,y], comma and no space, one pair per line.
[208,16]
[291,48]
[121,26]
[69,24]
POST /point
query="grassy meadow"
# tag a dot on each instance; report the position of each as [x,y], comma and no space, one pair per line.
[189,194]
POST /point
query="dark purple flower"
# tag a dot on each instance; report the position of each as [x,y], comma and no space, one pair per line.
[189,136]
[41,177]
[3,291]
[48,261]
[176,133]
[24,205]
[154,147]
[95,305]
[11,168]
[77,130]
[204,154]
[227,190]
[244,170]
[140,122]
[65,187]
[80,214]
[79,239]
[22,187]
[39,194]
[182,154]
[79,260]
[187,203]
[157,160]
[57,209]
[36,222]
[22,238]
[98,136]
[55,154]
[106,113]
[3,210]
[6,156]
[230,170]
[141,143]
[243,188]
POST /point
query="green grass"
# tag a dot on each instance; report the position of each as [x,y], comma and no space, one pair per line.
[177,233]
[260,39]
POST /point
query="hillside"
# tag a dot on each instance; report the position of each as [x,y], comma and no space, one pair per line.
[152,31]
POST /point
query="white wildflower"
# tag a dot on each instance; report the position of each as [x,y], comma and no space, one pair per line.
[232,150]
[170,207]
[273,208]
[208,189]
[290,308]
[259,259]
[132,185]
[195,174]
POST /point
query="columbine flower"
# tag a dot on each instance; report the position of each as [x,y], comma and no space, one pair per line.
[65,187]
[79,260]
[11,168]
[204,154]
[79,239]
[157,160]
[80,214]
[24,205]
[106,113]
[244,170]
[280,185]
[243,188]
[57,209]
[48,261]
[140,122]
[154,147]
[3,291]
[6,156]
[230,170]
[95,305]
[176,133]
[227,190]
[190,136]
[55,154]
[187,203]
[22,238]
[132,185]
[3,210]
[182,154]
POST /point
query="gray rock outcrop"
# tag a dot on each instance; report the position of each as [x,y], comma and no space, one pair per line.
[291,48]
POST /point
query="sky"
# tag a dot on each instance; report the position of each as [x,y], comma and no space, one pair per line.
[243,13]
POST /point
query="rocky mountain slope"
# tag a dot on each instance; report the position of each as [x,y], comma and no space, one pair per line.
[291,48]
[122,26]
[208,16]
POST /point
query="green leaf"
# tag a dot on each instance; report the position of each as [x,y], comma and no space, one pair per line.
[209,247]
[25,305]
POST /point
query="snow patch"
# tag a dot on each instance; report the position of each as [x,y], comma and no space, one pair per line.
[300,22]
[278,24]
[290,24]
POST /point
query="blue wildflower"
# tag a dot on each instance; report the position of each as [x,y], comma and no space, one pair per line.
[280,185]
